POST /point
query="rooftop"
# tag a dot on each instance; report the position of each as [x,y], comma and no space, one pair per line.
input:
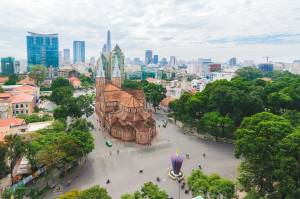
[20,98]
[11,122]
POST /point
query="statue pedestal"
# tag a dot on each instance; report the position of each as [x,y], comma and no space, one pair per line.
[174,176]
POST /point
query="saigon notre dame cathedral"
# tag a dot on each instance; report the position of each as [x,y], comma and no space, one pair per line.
[122,113]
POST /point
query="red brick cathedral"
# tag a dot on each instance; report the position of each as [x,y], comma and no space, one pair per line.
[122,113]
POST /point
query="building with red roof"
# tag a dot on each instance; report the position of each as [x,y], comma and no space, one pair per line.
[75,82]
[12,126]
[22,103]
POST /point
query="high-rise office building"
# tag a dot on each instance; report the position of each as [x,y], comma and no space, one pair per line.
[163,61]
[148,57]
[155,59]
[78,52]
[116,55]
[173,61]
[60,58]
[8,65]
[67,56]
[232,61]
[108,43]
[42,49]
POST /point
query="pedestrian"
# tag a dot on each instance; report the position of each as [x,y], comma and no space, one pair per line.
[204,155]
[118,151]
[199,166]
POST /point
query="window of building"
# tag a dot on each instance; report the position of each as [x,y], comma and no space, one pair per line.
[17,105]
[21,105]
[17,112]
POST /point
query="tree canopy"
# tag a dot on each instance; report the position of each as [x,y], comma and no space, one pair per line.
[38,73]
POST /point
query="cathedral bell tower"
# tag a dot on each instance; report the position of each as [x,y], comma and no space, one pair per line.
[116,76]
[100,80]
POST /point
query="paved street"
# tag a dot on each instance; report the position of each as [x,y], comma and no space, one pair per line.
[122,169]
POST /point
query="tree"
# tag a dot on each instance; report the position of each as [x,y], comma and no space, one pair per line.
[62,94]
[81,124]
[1,89]
[148,191]
[84,139]
[60,82]
[3,166]
[12,80]
[250,73]
[279,102]
[289,170]
[18,193]
[95,192]
[75,107]
[130,84]
[38,73]
[212,186]
[154,93]
[258,143]
[30,151]
[293,116]
[215,124]
[14,147]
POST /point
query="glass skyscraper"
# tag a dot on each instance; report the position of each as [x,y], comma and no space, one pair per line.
[155,59]
[42,49]
[8,65]
[148,57]
[78,52]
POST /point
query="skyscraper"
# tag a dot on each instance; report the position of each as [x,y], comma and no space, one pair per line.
[232,61]
[116,55]
[67,56]
[173,61]
[148,57]
[108,43]
[155,59]
[42,49]
[78,52]
[8,65]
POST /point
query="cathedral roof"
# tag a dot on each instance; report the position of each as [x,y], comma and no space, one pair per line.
[130,101]
[111,87]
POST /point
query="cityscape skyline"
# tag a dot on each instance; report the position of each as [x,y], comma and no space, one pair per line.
[211,29]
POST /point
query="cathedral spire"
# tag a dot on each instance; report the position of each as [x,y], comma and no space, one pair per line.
[116,71]
[100,71]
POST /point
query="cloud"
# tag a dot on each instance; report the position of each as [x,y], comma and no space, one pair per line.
[187,29]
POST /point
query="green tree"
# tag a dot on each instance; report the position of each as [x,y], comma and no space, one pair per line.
[279,102]
[38,73]
[154,93]
[60,82]
[130,84]
[212,186]
[3,166]
[18,193]
[62,94]
[148,191]
[250,73]
[12,80]
[293,116]
[257,142]
[85,140]
[95,192]
[215,124]
[81,124]
[31,149]
[289,170]
[14,147]
[1,89]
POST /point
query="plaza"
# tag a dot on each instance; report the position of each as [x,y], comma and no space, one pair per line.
[122,168]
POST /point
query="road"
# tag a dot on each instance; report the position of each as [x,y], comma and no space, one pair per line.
[122,169]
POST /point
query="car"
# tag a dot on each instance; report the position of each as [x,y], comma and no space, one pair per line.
[108,143]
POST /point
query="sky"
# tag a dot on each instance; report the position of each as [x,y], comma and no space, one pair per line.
[188,29]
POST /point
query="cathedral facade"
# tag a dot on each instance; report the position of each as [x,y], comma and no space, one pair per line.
[122,113]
